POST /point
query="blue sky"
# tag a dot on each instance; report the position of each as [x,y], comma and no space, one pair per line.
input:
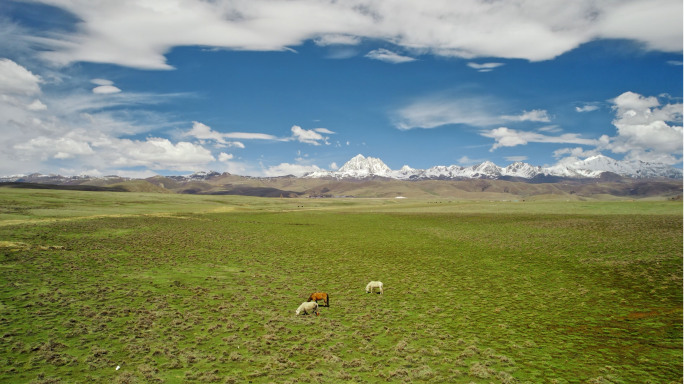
[268,88]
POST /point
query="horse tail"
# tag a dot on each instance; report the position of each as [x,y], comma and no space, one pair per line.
[327,299]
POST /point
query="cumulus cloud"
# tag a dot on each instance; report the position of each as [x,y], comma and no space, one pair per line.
[139,34]
[506,137]
[161,153]
[224,157]
[81,128]
[646,129]
[57,148]
[388,56]
[17,80]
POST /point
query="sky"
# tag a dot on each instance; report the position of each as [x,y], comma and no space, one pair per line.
[265,88]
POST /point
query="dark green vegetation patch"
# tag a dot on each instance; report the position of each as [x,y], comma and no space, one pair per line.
[474,292]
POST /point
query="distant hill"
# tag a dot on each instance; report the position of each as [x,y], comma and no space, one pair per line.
[81,187]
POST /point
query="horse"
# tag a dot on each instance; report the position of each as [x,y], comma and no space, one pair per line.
[320,296]
[307,308]
[374,284]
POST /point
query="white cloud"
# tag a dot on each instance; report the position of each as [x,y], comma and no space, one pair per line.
[160,153]
[139,34]
[574,154]
[225,157]
[484,67]
[506,137]
[646,129]
[204,132]
[550,129]
[57,148]
[587,108]
[435,111]
[284,169]
[17,80]
[537,115]
[250,136]
[466,161]
[36,105]
[653,22]
[106,89]
[386,55]
[444,109]
[308,136]
[337,39]
[82,128]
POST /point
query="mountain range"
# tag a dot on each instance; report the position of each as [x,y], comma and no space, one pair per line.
[593,167]
[598,177]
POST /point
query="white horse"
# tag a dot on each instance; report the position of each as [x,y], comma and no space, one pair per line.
[374,284]
[308,307]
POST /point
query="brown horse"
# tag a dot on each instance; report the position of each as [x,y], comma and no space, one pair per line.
[320,296]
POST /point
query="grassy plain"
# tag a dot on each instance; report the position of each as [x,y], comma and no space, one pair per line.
[181,288]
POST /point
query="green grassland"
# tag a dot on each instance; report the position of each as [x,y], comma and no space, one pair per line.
[182,288]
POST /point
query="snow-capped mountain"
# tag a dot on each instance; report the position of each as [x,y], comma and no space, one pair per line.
[595,165]
[360,167]
[592,167]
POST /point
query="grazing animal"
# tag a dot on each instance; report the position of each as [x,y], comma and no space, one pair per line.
[308,307]
[374,284]
[320,296]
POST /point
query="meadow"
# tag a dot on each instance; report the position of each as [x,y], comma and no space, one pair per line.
[105,287]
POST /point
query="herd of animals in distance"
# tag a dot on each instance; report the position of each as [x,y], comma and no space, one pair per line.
[310,306]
